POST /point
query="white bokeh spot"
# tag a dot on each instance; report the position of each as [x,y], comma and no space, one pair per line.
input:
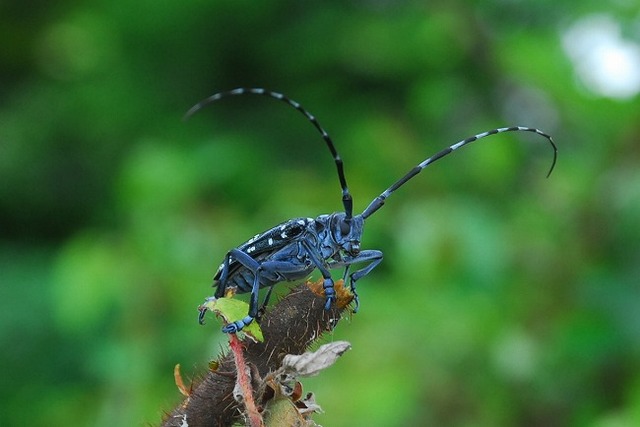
[606,63]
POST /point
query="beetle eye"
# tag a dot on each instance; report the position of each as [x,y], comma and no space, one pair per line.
[345,228]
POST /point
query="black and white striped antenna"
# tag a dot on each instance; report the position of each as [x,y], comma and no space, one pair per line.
[379,201]
[347,200]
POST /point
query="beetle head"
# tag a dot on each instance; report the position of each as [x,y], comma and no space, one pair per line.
[347,232]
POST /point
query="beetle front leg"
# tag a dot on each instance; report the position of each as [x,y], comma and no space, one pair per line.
[373,257]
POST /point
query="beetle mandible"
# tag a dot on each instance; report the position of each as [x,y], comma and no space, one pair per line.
[293,249]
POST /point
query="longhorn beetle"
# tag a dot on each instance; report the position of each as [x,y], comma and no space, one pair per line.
[293,249]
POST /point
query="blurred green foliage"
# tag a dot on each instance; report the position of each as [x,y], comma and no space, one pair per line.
[504,298]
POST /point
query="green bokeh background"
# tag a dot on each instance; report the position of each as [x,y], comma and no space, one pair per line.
[505,299]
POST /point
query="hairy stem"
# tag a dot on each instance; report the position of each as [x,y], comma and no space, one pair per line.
[289,327]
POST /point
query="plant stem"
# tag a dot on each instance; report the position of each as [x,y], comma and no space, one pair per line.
[244,383]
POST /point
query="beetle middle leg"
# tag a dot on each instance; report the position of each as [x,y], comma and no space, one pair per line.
[373,257]
[263,307]
[328,284]
[266,273]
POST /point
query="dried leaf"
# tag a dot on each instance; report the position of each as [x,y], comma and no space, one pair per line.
[308,405]
[311,363]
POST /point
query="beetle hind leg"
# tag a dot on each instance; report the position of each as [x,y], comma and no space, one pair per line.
[238,325]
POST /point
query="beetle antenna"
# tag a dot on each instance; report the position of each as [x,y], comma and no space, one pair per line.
[347,200]
[379,201]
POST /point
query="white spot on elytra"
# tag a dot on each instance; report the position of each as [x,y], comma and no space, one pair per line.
[270,241]
[251,249]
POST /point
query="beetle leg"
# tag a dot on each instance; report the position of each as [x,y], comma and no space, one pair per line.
[263,307]
[373,257]
[224,275]
[265,273]
[252,265]
[328,285]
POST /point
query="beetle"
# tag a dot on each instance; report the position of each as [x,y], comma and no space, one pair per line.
[295,248]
